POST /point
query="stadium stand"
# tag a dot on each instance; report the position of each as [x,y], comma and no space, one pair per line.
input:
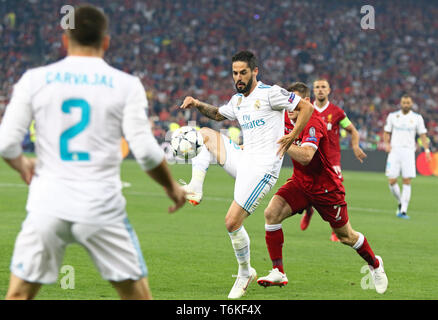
[178,47]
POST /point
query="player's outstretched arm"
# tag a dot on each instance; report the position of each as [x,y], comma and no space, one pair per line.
[305,109]
[161,175]
[358,152]
[206,109]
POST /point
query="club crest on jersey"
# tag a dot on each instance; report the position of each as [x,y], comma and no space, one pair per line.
[257,104]
[285,92]
[312,132]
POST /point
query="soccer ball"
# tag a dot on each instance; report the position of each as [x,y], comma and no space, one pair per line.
[186,142]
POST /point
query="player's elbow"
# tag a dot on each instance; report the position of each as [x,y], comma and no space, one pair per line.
[307,156]
[9,150]
[306,160]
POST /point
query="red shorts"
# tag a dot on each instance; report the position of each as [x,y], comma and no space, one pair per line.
[331,206]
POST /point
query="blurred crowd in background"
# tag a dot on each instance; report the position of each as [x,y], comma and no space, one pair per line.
[184,47]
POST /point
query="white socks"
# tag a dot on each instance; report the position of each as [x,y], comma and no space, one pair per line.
[200,165]
[395,190]
[240,242]
[405,197]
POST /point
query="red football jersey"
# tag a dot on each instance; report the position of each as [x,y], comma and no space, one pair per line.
[318,177]
[332,115]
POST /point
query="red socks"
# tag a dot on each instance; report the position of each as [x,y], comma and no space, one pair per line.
[274,241]
[364,250]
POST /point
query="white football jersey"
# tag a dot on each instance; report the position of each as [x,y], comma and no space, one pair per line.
[82,107]
[261,117]
[403,128]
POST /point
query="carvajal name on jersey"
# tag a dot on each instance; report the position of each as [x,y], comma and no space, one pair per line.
[79,79]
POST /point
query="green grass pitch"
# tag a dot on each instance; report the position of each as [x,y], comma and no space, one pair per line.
[189,254]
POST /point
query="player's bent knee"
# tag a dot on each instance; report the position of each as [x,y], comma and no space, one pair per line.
[133,289]
[20,295]
[232,224]
[277,210]
[207,134]
[272,215]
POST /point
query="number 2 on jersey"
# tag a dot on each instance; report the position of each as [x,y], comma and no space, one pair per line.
[73,131]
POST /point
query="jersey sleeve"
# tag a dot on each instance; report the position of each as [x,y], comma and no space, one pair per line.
[280,99]
[137,130]
[312,134]
[17,119]
[421,127]
[227,110]
[388,124]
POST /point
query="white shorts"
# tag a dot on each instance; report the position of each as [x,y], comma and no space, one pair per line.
[251,186]
[41,243]
[233,156]
[401,161]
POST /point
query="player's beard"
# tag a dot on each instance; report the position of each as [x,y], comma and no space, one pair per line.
[406,110]
[246,88]
[321,100]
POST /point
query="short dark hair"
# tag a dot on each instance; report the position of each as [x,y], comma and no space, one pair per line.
[246,56]
[301,88]
[322,79]
[91,25]
[406,96]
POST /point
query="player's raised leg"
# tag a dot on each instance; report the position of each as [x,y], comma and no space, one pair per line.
[358,241]
[241,245]
[212,149]
[305,220]
[277,210]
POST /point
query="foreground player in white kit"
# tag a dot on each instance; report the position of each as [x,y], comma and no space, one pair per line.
[259,108]
[82,107]
[399,136]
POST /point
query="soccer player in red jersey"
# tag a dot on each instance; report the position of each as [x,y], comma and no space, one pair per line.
[314,183]
[335,119]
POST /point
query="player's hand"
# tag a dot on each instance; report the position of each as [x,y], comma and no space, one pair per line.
[388,148]
[285,142]
[177,195]
[360,155]
[27,169]
[189,102]
[428,156]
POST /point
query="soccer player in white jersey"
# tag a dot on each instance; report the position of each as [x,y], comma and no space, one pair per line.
[399,137]
[259,108]
[82,107]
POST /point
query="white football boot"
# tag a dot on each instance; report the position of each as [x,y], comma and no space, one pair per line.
[241,284]
[274,278]
[379,277]
[194,198]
